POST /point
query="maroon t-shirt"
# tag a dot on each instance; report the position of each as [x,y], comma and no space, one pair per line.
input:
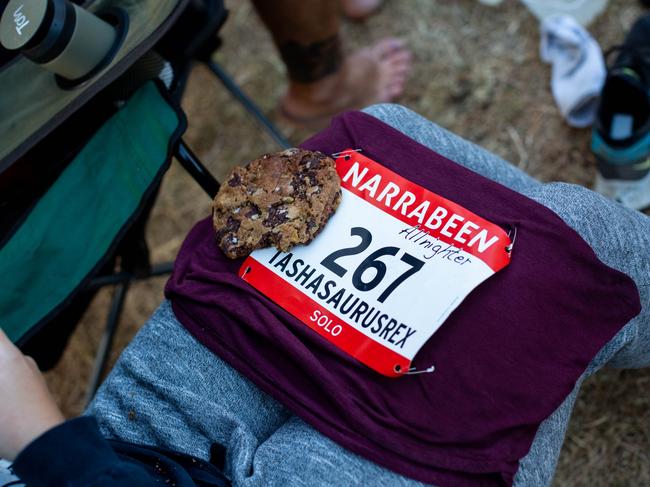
[505,359]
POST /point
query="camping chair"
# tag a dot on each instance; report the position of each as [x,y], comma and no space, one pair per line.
[80,168]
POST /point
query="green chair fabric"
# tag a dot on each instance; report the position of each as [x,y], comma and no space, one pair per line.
[78,221]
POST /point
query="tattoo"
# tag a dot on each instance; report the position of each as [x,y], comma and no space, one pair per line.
[312,62]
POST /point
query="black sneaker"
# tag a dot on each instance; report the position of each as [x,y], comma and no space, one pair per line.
[621,133]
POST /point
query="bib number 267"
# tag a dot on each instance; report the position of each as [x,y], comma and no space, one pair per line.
[371,262]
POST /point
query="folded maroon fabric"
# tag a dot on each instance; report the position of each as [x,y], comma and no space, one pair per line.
[505,359]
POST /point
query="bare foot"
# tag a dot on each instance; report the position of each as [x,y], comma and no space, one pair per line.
[375,74]
[360,9]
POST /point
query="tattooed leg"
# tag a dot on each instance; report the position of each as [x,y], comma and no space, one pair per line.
[322,81]
[359,9]
[308,63]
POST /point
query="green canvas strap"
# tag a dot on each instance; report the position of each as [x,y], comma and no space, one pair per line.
[73,227]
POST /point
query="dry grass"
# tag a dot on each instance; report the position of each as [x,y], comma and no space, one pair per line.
[478,73]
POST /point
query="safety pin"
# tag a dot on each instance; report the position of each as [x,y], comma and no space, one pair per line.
[336,154]
[414,371]
[514,238]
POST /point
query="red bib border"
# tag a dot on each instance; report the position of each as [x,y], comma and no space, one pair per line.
[373,298]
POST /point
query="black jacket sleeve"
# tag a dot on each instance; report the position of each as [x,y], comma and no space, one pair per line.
[76,454]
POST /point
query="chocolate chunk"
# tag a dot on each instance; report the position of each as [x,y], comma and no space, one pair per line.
[253,212]
[277,216]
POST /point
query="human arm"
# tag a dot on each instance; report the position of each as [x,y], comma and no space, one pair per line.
[48,450]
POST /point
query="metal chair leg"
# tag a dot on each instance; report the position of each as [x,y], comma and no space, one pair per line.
[248,104]
[122,281]
[157,270]
[197,170]
[106,342]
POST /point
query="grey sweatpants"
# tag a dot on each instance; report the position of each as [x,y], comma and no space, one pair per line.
[169,390]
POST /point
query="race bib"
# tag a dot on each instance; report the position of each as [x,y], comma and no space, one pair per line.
[387,270]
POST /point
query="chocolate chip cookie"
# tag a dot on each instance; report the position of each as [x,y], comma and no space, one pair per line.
[281,200]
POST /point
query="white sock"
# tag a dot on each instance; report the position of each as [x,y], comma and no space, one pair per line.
[6,474]
[578,68]
[583,11]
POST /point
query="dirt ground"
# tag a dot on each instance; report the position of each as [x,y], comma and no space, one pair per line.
[478,73]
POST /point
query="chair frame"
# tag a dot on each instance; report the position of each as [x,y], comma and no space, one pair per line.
[198,45]
[193,165]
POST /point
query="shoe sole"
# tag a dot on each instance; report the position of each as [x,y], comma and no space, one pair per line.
[633,194]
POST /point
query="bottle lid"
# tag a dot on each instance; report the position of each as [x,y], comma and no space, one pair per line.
[23,23]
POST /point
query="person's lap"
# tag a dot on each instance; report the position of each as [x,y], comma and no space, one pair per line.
[169,390]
